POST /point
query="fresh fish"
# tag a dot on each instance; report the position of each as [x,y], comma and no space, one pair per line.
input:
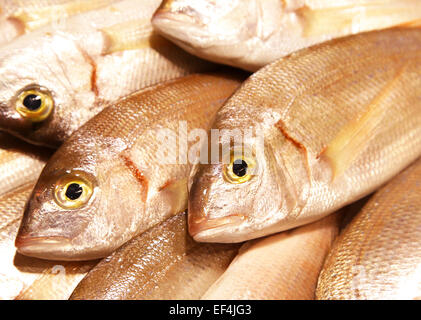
[29,278]
[19,162]
[162,263]
[111,180]
[378,255]
[56,78]
[253,33]
[320,129]
[283,266]
[20,16]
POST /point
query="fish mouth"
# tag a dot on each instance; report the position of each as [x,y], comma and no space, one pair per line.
[203,229]
[181,28]
[170,12]
[48,247]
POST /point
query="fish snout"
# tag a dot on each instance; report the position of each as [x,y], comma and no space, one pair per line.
[167,17]
[206,221]
[171,19]
[12,122]
[204,229]
[35,238]
[44,247]
[36,133]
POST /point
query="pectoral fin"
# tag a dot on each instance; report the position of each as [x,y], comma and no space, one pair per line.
[412,24]
[132,35]
[34,18]
[176,193]
[363,16]
[355,136]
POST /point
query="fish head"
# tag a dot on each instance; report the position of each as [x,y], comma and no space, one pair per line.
[47,88]
[82,205]
[253,181]
[211,29]
[241,195]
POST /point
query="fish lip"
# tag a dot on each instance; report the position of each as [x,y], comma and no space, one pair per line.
[208,230]
[177,27]
[177,17]
[40,246]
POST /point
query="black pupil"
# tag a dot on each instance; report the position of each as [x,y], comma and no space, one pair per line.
[74,191]
[32,102]
[239,167]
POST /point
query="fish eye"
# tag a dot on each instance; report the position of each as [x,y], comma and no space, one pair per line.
[72,191]
[239,170]
[34,103]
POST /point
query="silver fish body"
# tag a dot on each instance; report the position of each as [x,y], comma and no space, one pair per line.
[330,125]
[111,181]
[377,256]
[56,78]
[162,263]
[283,266]
[250,34]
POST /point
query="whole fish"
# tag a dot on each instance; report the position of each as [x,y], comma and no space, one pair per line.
[29,278]
[253,33]
[320,129]
[378,254]
[19,162]
[20,16]
[56,78]
[283,266]
[162,263]
[115,177]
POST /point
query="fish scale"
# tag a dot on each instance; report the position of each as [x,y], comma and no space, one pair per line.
[85,64]
[162,263]
[263,268]
[377,255]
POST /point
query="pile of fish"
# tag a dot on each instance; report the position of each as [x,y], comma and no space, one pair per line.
[140,158]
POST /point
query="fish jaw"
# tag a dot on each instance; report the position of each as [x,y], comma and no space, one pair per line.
[55,248]
[39,247]
[208,223]
[181,29]
[15,125]
[203,229]
[11,121]
[197,31]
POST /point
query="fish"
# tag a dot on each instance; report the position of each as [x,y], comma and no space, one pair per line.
[309,134]
[116,176]
[19,162]
[377,256]
[19,17]
[250,34]
[30,278]
[283,266]
[162,263]
[56,78]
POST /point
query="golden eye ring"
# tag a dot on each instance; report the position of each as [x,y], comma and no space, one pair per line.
[35,104]
[240,169]
[72,191]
